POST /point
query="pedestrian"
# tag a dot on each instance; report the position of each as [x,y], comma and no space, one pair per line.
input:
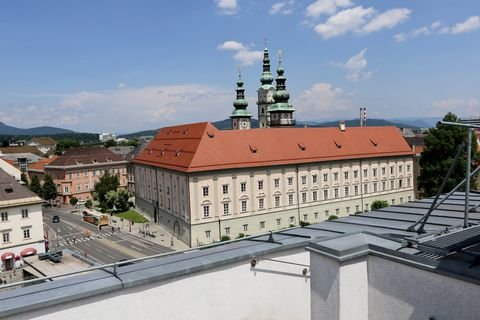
[73,239]
[113,229]
[4,280]
[10,275]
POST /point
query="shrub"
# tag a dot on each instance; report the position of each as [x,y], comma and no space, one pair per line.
[241,235]
[88,203]
[225,238]
[73,201]
[304,223]
[332,217]
[379,204]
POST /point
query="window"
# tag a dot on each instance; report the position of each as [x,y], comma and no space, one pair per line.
[365,188]
[24,213]
[314,196]
[325,194]
[327,213]
[261,203]
[345,175]
[227,230]
[6,237]
[168,190]
[383,185]
[292,219]
[290,181]
[245,227]
[408,168]
[355,190]
[365,173]
[226,208]
[26,233]
[367,207]
[335,192]
[207,234]
[290,199]
[304,197]
[409,198]
[225,189]
[401,200]
[85,173]
[408,182]
[325,177]
[374,172]
[400,168]
[279,221]
[244,205]
[393,201]
[205,191]
[66,189]
[315,215]
[374,187]
[347,209]
[276,182]
[391,170]
[262,224]
[305,217]
[355,174]
[206,211]
[277,201]
[314,178]
[4,216]
[243,186]
[392,185]
[400,183]
[337,211]
[383,170]
[335,176]
[347,191]
[357,208]
[70,176]
[79,188]
[304,179]
[260,185]
[87,187]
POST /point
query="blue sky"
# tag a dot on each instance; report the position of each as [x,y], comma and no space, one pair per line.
[123,66]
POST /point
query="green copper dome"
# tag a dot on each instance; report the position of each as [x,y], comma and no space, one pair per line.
[240,102]
[281,95]
[267,78]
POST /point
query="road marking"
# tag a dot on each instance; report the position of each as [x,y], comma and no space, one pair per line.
[111,257]
[98,250]
[119,241]
[86,244]
[136,248]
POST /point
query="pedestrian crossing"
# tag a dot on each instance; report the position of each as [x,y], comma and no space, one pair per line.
[65,243]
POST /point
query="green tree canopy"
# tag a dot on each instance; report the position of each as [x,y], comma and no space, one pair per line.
[110,143]
[107,182]
[88,203]
[65,144]
[49,190]
[441,145]
[73,201]
[24,179]
[379,204]
[35,185]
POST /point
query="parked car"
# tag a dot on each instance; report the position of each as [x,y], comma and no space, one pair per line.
[81,203]
[55,219]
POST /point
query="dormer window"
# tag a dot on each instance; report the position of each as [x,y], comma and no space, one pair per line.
[9,189]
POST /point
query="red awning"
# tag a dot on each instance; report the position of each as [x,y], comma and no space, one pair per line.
[28,252]
[8,255]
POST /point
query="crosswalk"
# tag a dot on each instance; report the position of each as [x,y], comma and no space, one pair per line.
[64,243]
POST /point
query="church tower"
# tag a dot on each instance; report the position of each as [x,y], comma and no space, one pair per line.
[240,116]
[281,112]
[265,92]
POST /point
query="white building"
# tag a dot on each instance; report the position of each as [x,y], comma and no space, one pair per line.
[204,184]
[21,222]
[106,137]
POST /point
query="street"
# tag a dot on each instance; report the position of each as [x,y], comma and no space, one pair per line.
[103,246]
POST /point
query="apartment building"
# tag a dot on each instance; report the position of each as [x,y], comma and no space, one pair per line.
[21,222]
[78,169]
[204,184]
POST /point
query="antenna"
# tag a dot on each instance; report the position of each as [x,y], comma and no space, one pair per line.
[279,56]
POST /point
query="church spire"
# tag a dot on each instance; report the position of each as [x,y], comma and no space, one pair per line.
[240,116]
[267,77]
[281,112]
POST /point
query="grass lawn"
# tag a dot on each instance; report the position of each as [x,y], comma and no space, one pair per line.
[131,215]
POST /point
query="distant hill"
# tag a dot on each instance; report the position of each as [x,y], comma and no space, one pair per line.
[38,131]
[139,134]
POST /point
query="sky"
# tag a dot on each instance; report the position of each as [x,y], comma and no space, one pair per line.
[122,66]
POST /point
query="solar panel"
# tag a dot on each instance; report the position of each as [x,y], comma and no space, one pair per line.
[451,242]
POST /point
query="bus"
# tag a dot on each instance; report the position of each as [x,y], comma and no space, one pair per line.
[94,217]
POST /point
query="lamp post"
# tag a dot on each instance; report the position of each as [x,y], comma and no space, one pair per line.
[219,229]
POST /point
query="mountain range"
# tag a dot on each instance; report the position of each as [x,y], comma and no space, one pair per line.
[37,131]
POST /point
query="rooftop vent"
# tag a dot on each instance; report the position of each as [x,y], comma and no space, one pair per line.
[253,149]
[373,142]
[337,144]
[178,152]
[185,131]
[342,126]
[210,134]
[302,146]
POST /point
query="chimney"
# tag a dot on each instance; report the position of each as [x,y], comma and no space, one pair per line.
[341,125]
[361,117]
[364,117]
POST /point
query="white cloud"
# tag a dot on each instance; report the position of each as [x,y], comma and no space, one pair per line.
[125,109]
[323,100]
[243,54]
[284,7]
[471,24]
[344,21]
[387,20]
[422,31]
[461,107]
[228,7]
[326,7]
[231,45]
[356,66]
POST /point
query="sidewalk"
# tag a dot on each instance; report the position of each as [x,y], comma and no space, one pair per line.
[162,236]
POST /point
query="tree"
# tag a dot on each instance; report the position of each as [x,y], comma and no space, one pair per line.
[121,202]
[88,204]
[65,144]
[441,146]
[379,204]
[49,190]
[24,179]
[110,143]
[73,201]
[107,182]
[35,185]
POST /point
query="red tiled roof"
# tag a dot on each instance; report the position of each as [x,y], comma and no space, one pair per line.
[22,149]
[86,155]
[202,147]
[43,141]
[40,164]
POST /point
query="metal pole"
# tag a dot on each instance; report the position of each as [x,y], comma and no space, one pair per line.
[473,173]
[467,183]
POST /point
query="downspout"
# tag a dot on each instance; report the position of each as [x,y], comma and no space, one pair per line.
[298,195]
[361,185]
